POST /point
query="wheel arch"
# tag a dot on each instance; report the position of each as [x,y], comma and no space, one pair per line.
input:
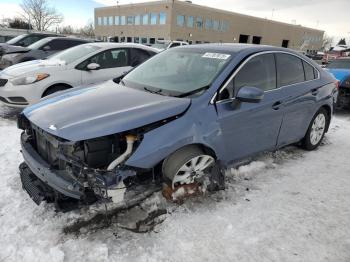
[329,112]
[55,85]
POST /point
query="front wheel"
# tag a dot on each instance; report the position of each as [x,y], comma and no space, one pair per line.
[186,166]
[316,130]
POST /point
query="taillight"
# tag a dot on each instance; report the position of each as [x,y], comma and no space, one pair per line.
[337,84]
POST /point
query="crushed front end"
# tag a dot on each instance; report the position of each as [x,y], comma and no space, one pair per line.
[72,174]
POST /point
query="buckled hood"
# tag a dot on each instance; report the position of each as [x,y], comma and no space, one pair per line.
[102,110]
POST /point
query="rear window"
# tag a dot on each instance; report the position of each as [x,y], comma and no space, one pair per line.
[290,69]
[309,72]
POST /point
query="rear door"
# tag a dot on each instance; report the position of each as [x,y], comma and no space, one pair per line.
[112,62]
[296,78]
[248,128]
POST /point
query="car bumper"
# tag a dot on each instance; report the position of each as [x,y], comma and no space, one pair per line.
[20,96]
[46,174]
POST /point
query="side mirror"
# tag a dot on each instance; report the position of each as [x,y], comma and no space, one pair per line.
[250,94]
[93,66]
[46,48]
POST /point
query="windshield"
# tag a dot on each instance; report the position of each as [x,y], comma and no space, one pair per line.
[160,45]
[177,72]
[39,43]
[16,39]
[340,64]
[75,53]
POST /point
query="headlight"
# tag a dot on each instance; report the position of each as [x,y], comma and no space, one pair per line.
[26,80]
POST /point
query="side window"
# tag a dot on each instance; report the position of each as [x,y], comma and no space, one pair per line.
[55,45]
[258,72]
[109,59]
[71,43]
[29,40]
[289,69]
[174,45]
[138,56]
[309,71]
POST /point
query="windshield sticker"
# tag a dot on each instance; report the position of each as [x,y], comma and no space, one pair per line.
[216,56]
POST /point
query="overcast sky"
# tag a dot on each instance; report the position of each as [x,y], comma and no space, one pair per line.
[333,16]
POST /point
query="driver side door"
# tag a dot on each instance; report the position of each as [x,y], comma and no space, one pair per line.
[249,128]
[112,63]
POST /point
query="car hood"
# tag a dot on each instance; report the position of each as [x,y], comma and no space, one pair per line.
[339,74]
[102,110]
[31,66]
[9,49]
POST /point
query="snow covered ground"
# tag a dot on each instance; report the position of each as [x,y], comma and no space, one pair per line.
[290,205]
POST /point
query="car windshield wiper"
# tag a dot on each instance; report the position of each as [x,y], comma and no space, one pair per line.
[158,91]
[194,91]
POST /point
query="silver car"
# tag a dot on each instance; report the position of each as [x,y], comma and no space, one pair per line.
[26,83]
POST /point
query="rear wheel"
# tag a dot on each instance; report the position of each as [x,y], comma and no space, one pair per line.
[55,89]
[316,130]
[186,166]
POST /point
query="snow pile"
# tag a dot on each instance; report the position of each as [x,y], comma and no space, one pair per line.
[286,206]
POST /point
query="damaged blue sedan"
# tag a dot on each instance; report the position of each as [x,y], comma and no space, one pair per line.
[173,119]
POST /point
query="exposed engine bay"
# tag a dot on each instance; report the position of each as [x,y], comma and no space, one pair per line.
[85,171]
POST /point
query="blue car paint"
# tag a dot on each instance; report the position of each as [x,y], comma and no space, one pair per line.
[340,74]
[101,111]
[231,133]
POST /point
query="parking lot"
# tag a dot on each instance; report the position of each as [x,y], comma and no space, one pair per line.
[284,206]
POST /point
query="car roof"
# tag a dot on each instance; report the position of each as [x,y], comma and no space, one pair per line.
[66,38]
[107,45]
[233,48]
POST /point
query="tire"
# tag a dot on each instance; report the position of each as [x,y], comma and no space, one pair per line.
[194,158]
[54,89]
[316,130]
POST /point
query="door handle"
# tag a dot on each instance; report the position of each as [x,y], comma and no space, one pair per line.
[314,92]
[277,105]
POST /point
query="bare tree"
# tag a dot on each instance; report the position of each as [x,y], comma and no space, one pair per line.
[88,30]
[327,42]
[40,14]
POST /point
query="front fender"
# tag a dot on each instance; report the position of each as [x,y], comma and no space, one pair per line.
[188,129]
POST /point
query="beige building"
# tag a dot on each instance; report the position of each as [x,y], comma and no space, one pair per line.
[181,20]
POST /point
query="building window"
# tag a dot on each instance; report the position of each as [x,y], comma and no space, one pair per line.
[198,42]
[137,19]
[116,20]
[208,24]
[122,39]
[152,41]
[105,20]
[224,26]
[162,18]
[129,39]
[110,20]
[129,20]
[256,40]
[199,22]
[143,40]
[122,20]
[180,20]
[99,20]
[285,43]
[216,25]
[190,21]
[154,18]
[244,39]
[145,19]
[136,39]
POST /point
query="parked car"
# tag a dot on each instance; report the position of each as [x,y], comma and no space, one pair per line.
[176,115]
[27,83]
[22,41]
[163,45]
[39,50]
[340,68]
